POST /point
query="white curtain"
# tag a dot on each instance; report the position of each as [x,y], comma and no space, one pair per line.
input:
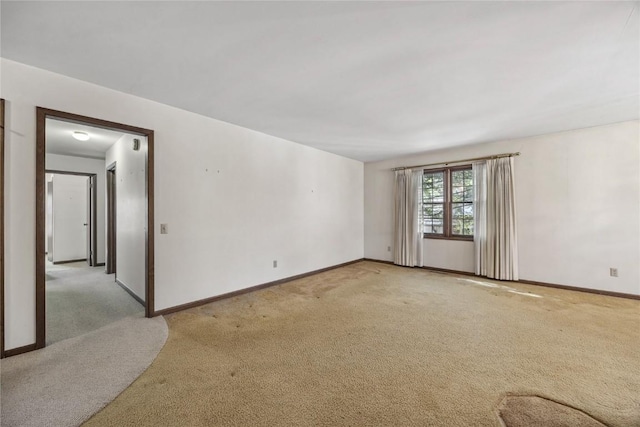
[480,217]
[408,218]
[495,235]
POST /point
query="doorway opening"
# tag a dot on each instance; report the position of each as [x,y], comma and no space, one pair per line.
[77,223]
[75,203]
[80,298]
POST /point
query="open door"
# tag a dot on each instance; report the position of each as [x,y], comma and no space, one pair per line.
[111,220]
[91,223]
[71,217]
[1,228]
[49,216]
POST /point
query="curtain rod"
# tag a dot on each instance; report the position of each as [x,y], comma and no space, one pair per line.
[497,156]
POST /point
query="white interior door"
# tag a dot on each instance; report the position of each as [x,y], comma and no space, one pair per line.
[69,218]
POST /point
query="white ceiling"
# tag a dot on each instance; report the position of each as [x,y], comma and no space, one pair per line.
[367,80]
[59,139]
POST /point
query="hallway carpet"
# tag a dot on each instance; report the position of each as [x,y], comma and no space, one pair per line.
[372,344]
[65,383]
[81,299]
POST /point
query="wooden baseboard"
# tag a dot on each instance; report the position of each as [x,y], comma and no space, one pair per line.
[575,288]
[445,270]
[440,270]
[529,282]
[69,261]
[378,260]
[247,290]
[19,350]
[436,269]
[130,292]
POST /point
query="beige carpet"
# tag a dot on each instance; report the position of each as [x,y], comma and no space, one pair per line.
[525,411]
[372,344]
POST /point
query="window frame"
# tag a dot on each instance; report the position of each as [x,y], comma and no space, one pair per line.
[448,206]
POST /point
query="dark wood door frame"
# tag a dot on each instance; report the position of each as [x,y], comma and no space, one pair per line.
[110,259]
[92,243]
[94,208]
[2,227]
[41,115]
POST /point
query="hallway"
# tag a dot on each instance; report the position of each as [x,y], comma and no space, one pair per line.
[82,299]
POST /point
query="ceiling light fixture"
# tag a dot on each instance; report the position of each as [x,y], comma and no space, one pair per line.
[80,136]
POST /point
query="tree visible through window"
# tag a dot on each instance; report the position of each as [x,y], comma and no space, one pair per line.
[447,200]
[433,190]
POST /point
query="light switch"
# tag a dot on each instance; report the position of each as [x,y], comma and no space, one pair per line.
[164,229]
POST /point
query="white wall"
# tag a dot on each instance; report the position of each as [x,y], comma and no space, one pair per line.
[130,212]
[81,164]
[69,216]
[234,199]
[578,207]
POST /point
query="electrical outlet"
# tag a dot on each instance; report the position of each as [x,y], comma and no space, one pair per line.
[275,264]
[388,248]
[164,229]
[613,272]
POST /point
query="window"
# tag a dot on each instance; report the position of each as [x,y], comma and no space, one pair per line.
[447,203]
